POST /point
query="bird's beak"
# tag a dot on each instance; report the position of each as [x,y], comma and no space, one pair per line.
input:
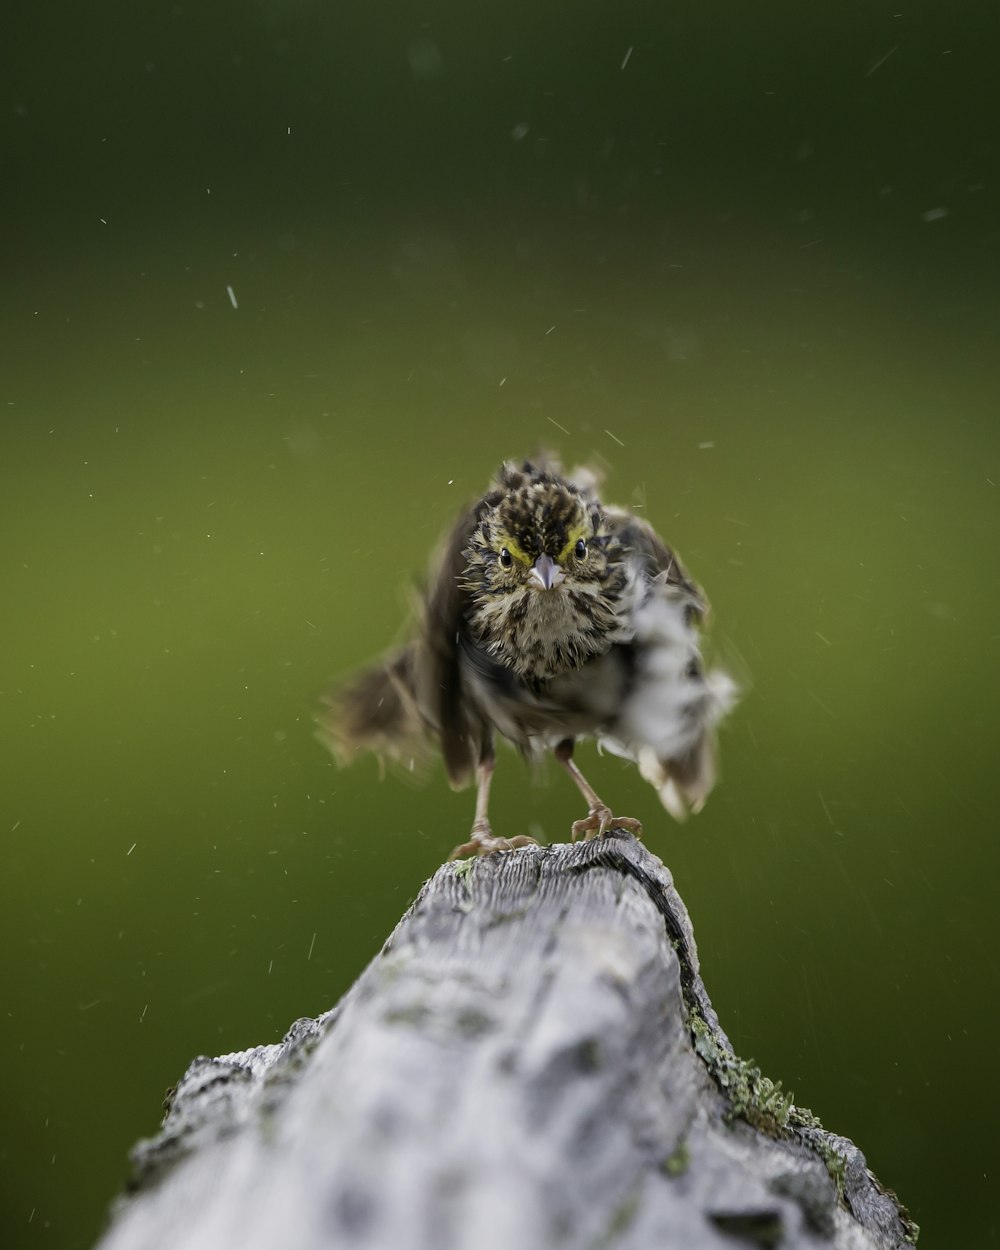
[545,573]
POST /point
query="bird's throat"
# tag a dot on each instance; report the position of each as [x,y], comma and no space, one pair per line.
[541,634]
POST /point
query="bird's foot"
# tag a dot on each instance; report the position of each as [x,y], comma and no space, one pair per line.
[600,819]
[483,842]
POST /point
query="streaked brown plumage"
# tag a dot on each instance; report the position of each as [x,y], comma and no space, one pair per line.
[549,617]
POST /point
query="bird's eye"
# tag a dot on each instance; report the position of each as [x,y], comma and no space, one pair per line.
[506,559]
[581,549]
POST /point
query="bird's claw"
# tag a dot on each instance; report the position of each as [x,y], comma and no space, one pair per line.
[483,842]
[599,820]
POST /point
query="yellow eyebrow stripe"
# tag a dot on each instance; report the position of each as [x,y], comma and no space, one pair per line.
[519,554]
[575,534]
[513,548]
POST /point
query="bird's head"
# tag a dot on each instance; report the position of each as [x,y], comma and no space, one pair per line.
[544,573]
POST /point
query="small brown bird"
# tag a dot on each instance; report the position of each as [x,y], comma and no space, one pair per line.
[549,617]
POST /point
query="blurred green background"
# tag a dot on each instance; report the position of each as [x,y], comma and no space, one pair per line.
[744,257]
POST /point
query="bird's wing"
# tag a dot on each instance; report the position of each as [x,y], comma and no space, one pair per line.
[376,710]
[667,722]
[463,735]
[660,563]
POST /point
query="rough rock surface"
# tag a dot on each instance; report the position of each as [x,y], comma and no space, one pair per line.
[532,1061]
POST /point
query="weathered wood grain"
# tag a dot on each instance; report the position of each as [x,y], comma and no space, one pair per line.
[531,1061]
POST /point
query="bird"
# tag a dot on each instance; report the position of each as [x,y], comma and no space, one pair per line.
[548,618]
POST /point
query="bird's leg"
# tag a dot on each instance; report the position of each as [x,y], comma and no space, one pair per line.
[599,818]
[482,841]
